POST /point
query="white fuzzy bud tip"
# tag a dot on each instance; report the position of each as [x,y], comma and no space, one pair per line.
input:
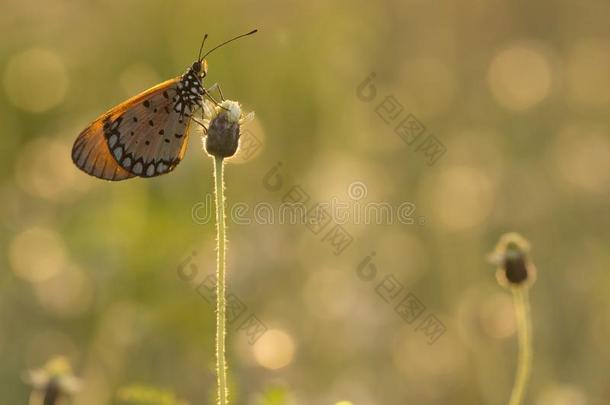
[233,110]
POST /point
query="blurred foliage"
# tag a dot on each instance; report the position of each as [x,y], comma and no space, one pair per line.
[137,394]
[518,92]
[274,396]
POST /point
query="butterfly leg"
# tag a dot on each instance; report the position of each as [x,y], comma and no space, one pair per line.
[207,93]
[205,129]
[216,86]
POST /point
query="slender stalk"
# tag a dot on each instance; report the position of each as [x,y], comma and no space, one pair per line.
[221,363]
[524,329]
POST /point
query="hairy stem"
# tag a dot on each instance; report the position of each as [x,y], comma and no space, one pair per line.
[524,329]
[221,363]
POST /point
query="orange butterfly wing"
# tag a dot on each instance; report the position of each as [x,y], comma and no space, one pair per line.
[90,154]
[143,136]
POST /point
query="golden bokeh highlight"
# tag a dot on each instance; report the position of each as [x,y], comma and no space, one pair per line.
[329,294]
[398,246]
[416,359]
[562,394]
[520,77]
[460,197]
[274,349]
[36,80]
[66,295]
[587,67]
[419,363]
[581,156]
[37,254]
[479,147]
[48,343]
[497,316]
[39,172]
[430,85]
[138,78]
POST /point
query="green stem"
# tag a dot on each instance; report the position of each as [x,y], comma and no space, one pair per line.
[221,363]
[524,329]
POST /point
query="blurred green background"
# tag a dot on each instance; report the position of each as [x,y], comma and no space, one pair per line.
[517,92]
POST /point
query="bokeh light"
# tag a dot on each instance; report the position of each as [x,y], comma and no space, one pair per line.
[37,254]
[67,295]
[497,316]
[36,80]
[520,77]
[329,294]
[275,349]
[137,78]
[586,72]
[460,197]
[430,84]
[581,155]
[562,395]
[40,173]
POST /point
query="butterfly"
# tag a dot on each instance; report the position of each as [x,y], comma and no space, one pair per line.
[146,135]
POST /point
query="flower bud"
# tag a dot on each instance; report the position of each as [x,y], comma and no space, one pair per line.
[514,266]
[53,382]
[223,131]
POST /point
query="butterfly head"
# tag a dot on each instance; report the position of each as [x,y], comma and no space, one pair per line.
[200,68]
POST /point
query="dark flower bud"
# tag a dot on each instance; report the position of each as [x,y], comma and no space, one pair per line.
[53,382]
[223,131]
[511,256]
[515,268]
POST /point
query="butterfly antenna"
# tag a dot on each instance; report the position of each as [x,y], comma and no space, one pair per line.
[226,42]
[201,47]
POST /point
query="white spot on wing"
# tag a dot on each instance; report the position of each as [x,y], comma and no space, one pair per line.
[150,170]
[137,168]
[127,162]
[112,140]
[118,153]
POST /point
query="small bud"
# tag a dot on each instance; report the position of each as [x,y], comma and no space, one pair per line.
[53,382]
[514,266]
[223,130]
